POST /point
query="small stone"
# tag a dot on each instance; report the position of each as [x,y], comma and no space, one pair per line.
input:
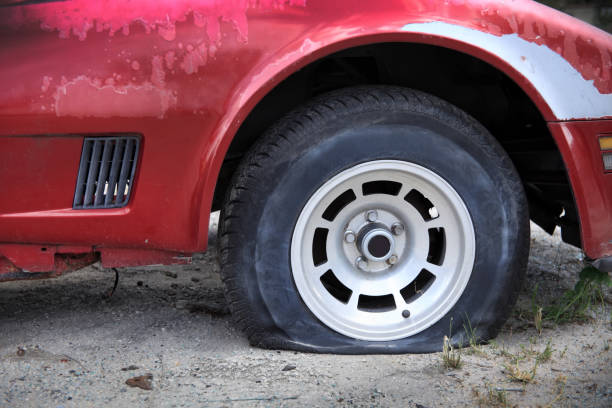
[171,274]
[130,368]
[144,382]
[288,367]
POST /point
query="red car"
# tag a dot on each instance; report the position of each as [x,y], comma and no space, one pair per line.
[376,164]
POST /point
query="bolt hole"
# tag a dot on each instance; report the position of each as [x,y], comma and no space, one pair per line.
[379,246]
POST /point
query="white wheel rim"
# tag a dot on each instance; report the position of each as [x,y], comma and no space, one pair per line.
[383,298]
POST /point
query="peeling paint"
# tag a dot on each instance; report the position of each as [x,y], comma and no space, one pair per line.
[158,74]
[564,89]
[142,96]
[79,17]
[46,82]
[590,54]
[195,58]
[170,58]
[73,98]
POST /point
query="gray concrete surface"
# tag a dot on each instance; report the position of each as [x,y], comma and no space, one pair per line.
[63,344]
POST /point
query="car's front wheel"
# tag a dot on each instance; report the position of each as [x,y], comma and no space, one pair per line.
[374,219]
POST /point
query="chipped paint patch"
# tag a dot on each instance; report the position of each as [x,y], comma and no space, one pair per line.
[79,17]
[85,95]
[170,58]
[195,58]
[46,82]
[586,48]
[568,94]
[158,74]
[74,98]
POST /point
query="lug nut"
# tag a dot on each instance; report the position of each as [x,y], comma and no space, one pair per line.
[397,228]
[372,215]
[392,260]
[349,236]
[361,263]
[406,314]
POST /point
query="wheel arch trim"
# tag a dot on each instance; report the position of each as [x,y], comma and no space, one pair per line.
[272,71]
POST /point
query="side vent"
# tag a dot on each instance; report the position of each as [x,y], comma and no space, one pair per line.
[106,172]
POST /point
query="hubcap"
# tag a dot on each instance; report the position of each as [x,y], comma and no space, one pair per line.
[375,242]
[383,250]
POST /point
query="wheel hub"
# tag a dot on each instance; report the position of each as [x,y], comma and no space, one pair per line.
[376,243]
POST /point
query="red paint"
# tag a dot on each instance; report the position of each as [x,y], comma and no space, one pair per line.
[18,261]
[579,144]
[588,50]
[62,265]
[116,257]
[186,73]
[30,258]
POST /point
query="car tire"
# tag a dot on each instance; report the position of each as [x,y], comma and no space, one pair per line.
[437,213]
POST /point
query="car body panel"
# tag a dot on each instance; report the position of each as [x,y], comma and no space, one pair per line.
[186,73]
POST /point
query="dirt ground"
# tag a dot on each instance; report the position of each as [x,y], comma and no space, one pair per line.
[62,344]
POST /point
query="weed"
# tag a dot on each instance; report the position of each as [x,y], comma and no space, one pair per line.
[471,335]
[501,349]
[560,389]
[499,397]
[574,303]
[545,355]
[537,320]
[505,353]
[562,353]
[450,357]
[515,373]
[493,398]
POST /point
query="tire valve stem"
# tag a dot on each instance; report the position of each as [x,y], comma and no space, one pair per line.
[405,314]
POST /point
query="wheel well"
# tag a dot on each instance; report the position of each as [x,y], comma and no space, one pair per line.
[478,88]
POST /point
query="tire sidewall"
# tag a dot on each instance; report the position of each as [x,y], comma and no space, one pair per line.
[455,153]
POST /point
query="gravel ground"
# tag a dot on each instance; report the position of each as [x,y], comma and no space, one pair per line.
[64,344]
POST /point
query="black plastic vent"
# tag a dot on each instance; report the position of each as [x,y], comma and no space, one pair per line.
[106,172]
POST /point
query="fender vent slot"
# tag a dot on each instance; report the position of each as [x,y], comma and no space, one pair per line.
[106,172]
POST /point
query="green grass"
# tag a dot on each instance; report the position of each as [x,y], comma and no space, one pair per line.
[451,358]
[574,305]
[576,302]
[470,333]
[492,398]
[545,355]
